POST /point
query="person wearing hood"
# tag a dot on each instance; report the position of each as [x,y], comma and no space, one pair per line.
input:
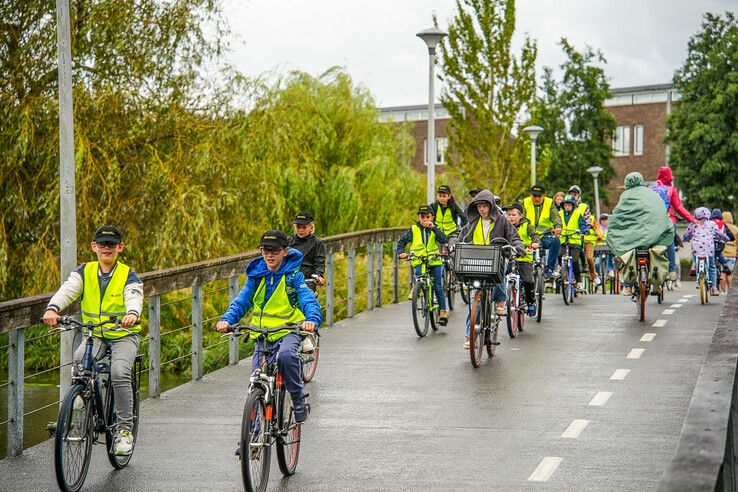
[276,290]
[703,233]
[639,220]
[731,251]
[447,212]
[666,178]
[487,222]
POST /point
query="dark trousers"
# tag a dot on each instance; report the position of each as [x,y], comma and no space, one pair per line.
[576,252]
[526,279]
[553,245]
[287,352]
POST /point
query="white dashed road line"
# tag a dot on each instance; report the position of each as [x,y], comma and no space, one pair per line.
[575,429]
[688,295]
[635,353]
[668,311]
[619,374]
[675,306]
[600,398]
[660,323]
[647,337]
[545,469]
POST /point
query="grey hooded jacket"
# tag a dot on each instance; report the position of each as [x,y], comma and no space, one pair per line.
[502,227]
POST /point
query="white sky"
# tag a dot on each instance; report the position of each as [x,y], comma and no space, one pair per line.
[644,41]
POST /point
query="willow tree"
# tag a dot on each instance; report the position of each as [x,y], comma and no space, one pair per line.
[486,90]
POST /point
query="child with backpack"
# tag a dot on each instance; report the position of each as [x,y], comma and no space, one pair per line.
[702,233]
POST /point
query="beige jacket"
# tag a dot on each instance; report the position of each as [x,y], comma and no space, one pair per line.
[730,250]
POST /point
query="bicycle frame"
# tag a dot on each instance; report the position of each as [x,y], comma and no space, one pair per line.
[425,276]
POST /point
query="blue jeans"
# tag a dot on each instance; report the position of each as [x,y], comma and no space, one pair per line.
[287,352]
[437,274]
[498,295]
[671,254]
[553,245]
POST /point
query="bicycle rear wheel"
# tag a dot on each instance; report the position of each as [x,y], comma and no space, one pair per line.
[565,281]
[464,293]
[310,362]
[491,334]
[476,330]
[120,462]
[704,291]
[73,439]
[288,445]
[641,301]
[449,288]
[512,310]
[254,449]
[420,309]
[432,311]
[540,287]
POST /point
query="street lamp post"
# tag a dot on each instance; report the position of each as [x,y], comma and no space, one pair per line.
[431,37]
[533,132]
[595,172]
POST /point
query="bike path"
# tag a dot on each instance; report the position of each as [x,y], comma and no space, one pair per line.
[395,412]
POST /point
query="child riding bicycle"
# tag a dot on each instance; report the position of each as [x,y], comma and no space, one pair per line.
[573,221]
[108,288]
[276,291]
[531,239]
[703,233]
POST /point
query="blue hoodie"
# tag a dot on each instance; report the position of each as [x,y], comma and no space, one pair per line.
[255,271]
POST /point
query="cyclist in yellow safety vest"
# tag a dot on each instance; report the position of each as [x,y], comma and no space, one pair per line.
[601,242]
[447,213]
[573,221]
[424,238]
[276,290]
[108,288]
[590,238]
[543,214]
[531,240]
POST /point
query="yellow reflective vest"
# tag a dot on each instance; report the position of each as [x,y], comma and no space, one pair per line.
[478,237]
[445,220]
[277,311]
[419,248]
[544,219]
[96,308]
[523,233]
[570,227]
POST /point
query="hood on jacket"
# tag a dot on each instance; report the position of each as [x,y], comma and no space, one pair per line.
[702,213]
[728,217]
[716,214]
[634,179]
[290,263]
[483,196]
[665,176]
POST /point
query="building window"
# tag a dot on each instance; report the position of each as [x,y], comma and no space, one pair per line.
[638,137]
[621,141]
[441,145]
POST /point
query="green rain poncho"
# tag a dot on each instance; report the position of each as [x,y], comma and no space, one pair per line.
[640,219]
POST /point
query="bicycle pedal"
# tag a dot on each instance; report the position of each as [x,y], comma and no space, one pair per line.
[238,452]
[495,343]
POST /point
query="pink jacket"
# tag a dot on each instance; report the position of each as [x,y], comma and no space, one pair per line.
[666,178]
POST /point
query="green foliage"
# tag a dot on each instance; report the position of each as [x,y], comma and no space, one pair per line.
[577,128]
[703,128]
[486,90]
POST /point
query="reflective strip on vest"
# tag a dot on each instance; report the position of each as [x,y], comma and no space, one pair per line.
[94,309]
[445,220]
[544,223]
[419,248]
[570,227]
[276,311]
[478,237]
[523,233]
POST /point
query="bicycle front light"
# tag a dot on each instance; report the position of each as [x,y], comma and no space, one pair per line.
[476,284]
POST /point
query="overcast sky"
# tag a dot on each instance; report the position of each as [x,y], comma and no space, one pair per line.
[644,41]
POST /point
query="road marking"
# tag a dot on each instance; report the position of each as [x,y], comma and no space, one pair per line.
[600,398]
[668,311]
[545,469]
[575,429]
[647,337]
[683,301]
[635,353]
[659,323]
[688,295]
[514,349]
[676,305]
[619,374]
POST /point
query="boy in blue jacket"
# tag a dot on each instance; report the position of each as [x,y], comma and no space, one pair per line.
[277,292]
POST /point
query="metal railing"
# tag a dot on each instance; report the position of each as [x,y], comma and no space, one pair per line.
[19,314]
[706,456]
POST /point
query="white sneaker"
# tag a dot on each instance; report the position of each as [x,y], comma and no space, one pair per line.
[124,443]
[580,285]
[597,281]
[678,284]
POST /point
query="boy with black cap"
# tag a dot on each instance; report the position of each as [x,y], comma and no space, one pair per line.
[542,213]
[275,289]
[530,238]
[311,247]
[108,288]
[424,237]
[447,212]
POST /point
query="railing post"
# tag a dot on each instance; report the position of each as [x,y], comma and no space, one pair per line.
[15,392]
[329,262]
[196,332]
[370,276]
[395,274]
[379,258]
[154,346]
[233,341]
[351,282]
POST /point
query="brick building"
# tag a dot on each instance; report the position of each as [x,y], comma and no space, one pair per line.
[418,116]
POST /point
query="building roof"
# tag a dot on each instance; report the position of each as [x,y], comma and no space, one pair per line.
[642,88]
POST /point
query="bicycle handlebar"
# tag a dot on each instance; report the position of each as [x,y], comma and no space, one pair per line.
[241,330]
[70,323]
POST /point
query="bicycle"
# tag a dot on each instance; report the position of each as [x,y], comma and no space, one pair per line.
[539,282]
[515,305]
[310,347]
[703,281]
[88,410]
[451,284]
[567,280]
[268,417]
[423,305]
[642,286]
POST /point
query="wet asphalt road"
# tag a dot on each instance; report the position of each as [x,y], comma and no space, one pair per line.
[395,412]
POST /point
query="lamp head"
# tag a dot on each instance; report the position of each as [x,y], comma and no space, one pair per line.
[594,171]
[533,131]
[432,37]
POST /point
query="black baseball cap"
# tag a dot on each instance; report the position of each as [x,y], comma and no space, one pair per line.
[444,189]
[516,206]
[425,209]
[108,234]
[537,190]
[274,238]
[303,218]
[474,192]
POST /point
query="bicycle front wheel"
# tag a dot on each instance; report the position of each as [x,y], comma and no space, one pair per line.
[540,285]
[420,309]
[288,445]
[512,310]
[120,462]
[565,281]
[73,439]
[254,447]
[476,327]
[449,287]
